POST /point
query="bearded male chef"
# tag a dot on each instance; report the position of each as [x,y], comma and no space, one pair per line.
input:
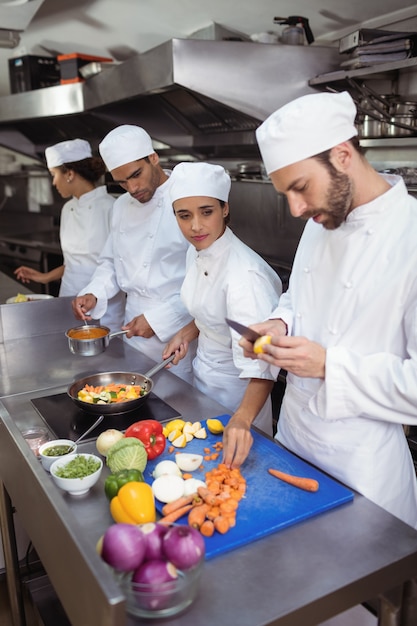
[145,252]
[346,330]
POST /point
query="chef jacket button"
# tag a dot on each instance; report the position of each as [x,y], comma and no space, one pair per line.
[150,235]
[205,273]
[145,265]
[348,285]
[298,315]
[370,231]
[306,270]
[333,331]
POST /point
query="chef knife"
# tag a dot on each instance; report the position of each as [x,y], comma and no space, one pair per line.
[246,332]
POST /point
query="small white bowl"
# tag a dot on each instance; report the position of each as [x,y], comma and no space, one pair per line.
[75,486]
[47,460]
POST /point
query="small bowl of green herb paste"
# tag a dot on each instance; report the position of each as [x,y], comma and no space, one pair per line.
[56,449]
[76,473]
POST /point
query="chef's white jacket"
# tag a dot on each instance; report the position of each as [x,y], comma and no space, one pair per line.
[145,257]
[84,228]
[354,291]
[228,279]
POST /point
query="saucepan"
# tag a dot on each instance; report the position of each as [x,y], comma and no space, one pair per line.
[144,381]
[89,340]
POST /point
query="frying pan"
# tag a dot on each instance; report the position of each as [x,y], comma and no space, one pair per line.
[124,378]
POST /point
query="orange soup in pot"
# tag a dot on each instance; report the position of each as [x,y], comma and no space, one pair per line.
[87,333]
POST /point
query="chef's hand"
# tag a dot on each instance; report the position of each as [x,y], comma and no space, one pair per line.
[138,327]
[237,442]
[81,305]
[275,328]
[26,274]
[297,355]
[178,346]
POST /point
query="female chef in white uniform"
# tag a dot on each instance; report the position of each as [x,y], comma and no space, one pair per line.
[84,223]
[224,278]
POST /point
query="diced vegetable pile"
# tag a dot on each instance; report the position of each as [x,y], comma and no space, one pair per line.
[109,394]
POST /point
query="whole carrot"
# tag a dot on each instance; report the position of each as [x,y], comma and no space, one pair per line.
[308,484]
[170,507]
[175,515]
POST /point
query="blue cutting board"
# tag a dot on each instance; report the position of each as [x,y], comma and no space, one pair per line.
[270,504]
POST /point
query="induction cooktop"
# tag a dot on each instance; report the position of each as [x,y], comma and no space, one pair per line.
[67,421]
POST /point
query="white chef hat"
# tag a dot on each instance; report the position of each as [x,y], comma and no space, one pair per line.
[67,152]
[125,144]
[305,127]
[199,179]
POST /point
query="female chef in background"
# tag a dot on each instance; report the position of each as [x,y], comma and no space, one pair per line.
[224,278]
[84,224]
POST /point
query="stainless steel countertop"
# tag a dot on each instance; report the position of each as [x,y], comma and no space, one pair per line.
[301,575]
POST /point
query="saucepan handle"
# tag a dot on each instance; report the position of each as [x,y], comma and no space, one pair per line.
[158,367]
[118,332]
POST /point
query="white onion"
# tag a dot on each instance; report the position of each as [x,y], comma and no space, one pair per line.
[167,488]
[166,467]
[106,439]
[188,462]
[191,485]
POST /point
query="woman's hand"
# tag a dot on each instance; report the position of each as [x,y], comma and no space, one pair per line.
[178,346]
[26,274]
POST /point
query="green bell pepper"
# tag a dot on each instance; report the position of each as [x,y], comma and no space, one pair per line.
[115,481]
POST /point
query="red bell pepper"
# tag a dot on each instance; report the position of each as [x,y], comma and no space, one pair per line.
[149,432]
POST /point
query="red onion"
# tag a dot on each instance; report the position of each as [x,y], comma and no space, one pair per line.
[153,535]
[154,584]
[184,546]
[123,547]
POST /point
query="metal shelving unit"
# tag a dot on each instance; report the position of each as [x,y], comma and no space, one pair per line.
[380,68]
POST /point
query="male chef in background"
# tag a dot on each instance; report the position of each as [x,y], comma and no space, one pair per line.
[145,252]
[346,330]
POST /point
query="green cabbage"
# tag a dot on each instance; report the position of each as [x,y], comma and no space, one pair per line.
[127,453]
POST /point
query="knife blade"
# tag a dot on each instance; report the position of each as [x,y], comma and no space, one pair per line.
[246,332]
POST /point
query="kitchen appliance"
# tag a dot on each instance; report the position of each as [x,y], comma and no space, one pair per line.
[29,72]
[70,65]
[68,421]
[39,250]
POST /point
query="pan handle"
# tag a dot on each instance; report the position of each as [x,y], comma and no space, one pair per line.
[118,332]
[158,367]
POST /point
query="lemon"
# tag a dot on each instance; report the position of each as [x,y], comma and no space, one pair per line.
[215,426]
[174,434]
[201,433]
[179,442]
[258,346]
[176,424]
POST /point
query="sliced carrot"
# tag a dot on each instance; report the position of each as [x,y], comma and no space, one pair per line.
[207,528]
[208,496]
[221,524]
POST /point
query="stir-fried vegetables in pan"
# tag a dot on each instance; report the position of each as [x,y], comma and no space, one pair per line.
[109,394]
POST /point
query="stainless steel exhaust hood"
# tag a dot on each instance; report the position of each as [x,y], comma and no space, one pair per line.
[203,98]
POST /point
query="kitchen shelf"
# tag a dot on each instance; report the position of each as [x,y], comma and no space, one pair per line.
[388,142]
[380,68]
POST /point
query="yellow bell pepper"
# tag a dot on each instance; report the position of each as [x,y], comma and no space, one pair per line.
[134,504]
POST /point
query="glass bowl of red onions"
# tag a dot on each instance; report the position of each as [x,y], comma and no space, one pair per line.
[158,566]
